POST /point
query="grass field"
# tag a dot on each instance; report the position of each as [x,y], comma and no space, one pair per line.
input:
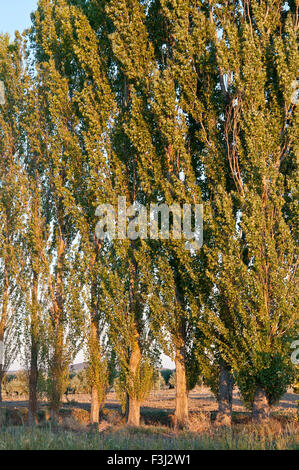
[155,433]
[149,438]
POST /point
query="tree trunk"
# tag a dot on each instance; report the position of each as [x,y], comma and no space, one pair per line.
[58,366]
[2,374]
[260,409]
[3,325]
[33,374]
[133,412]
[54,413]
[58,375]
[1,379]
[94,352]
[33,378]
[225,396]
[127,406]
[181,409]
[95,406]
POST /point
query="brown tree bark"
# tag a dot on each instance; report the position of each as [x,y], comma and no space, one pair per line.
[225,396]
[181,408]
[58,367]
[94,350]
[181,417]
[133,412]
[33,378]
[94,353]
[95,406]
[3,320]
[260,409]
[2,374]
[33,374]
[127,406]
[58,375]
[1,379]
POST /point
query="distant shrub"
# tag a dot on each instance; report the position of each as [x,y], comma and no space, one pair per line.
[172,380]
[16,385]
[166,374]
[159,382]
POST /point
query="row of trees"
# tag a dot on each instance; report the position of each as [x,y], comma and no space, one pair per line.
[158,101]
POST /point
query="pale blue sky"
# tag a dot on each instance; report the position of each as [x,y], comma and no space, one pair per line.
[15,15]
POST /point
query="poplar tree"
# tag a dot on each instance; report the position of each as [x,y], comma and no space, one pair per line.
[86,72]
[35,249]
[261,135]
[35,298]
[245,129]
[92,186]
[60,149]
[12,197]
[124,290]
[25,263]
[157,131]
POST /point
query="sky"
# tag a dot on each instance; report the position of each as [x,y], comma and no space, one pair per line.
[15,15]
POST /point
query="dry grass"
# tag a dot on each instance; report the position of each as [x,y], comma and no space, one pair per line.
[241,437]
[75,432]
[199,422]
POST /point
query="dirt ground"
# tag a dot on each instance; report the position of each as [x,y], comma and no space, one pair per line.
[200,399]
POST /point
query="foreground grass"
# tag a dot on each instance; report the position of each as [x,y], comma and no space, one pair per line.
[149,438]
